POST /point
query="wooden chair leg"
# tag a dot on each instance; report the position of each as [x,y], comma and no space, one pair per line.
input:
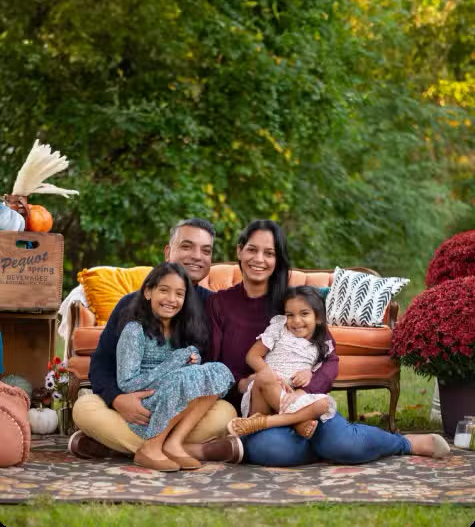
[394,389]
[74,385]
[351,398]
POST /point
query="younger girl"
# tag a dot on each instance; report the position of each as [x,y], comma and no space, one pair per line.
[156,350]
[294,347]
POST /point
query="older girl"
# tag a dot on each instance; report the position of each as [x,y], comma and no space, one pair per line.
[158,349]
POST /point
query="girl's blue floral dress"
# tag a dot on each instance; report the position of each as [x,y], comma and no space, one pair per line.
[143,364]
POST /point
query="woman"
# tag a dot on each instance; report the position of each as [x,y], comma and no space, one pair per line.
[239,314]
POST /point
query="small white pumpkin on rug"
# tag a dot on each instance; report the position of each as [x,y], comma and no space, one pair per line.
[43,420]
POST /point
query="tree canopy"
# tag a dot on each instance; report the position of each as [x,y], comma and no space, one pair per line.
[348,122]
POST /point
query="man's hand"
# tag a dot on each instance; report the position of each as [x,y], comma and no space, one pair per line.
[130,407]
[245,382]
[301,378]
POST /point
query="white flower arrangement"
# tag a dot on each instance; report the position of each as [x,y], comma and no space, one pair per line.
[57,381]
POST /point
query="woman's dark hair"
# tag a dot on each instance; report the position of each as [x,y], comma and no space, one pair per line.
[188,326]
[279,279]
[311,296]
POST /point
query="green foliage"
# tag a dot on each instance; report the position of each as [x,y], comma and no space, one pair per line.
[348,122]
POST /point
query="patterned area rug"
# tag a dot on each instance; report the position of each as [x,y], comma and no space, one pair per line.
[51,470]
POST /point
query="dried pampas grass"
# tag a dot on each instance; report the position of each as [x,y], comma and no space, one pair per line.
[41,164]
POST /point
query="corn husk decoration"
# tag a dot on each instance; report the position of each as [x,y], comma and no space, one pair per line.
[41,164]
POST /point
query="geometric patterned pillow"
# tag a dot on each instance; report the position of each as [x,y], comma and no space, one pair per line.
[360,299]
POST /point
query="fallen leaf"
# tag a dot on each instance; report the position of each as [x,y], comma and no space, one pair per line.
[363,417]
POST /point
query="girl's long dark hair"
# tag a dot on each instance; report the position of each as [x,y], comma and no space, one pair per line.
[279,279]
[188,326]
[310,295]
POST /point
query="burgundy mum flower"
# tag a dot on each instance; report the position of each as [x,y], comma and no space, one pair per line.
[436,335]
[455,258]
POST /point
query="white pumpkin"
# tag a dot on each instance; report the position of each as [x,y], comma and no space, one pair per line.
[10,220]
[43,420]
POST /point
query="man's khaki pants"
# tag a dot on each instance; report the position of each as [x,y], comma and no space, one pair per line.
[97,420]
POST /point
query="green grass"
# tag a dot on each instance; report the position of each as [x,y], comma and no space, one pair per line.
[99,515]
[59,347]
[413,409]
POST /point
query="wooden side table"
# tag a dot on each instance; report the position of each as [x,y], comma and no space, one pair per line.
[28,343]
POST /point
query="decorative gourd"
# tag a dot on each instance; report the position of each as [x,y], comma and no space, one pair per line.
[39,220]
[20,382]
[10,220]
[43,420]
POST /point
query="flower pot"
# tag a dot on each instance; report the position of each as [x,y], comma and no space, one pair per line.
[456,401]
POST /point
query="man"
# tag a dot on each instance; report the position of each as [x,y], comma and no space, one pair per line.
[102,417]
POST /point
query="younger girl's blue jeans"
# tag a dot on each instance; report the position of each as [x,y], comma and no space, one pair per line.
[335,440]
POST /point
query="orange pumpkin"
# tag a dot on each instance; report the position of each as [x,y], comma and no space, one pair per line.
[39,220]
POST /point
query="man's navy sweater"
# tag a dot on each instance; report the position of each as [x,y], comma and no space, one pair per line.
[103,368]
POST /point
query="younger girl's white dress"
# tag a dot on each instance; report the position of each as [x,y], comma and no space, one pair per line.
[287,355]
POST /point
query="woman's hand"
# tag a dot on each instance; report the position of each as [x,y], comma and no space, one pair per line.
[301,378]
[245,382]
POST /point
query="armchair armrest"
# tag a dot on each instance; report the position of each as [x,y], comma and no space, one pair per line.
[80,316]
[393,313]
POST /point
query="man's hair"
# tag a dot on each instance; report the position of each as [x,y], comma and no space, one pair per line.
[193,222]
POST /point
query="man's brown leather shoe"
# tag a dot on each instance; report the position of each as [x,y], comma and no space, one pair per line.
[85,447]
[225,449]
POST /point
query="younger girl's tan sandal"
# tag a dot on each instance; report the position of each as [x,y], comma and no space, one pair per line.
[243,426]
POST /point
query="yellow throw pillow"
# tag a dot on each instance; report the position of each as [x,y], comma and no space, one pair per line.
[105,286]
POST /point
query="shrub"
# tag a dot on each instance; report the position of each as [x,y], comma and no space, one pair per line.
[436,335]
[455,258]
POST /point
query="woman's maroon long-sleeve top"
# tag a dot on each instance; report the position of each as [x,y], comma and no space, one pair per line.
[236,321]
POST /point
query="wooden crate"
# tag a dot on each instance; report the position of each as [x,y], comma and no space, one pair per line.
[28,344]
[31,271]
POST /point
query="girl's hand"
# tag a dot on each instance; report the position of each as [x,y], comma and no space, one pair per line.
[283,383]
[193,358]
[245,382]
[301,378]
[287,400]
